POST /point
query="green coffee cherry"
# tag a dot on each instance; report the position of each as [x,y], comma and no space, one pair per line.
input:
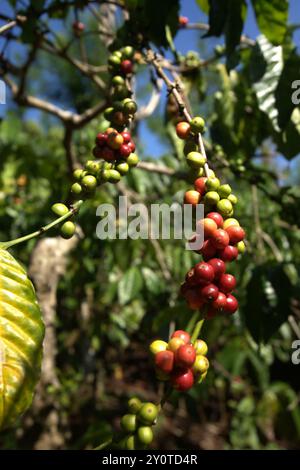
[130,443]
[76,188]
[224,190]
[118,80]
[145,435]
[127,52]
[212,197]
[212,184]
[120,92]
[132,160]
[195,159]
[197,124]
[92,167]
[224,207]
[108,113]
[232,198]
[130,107]
[134,405]
[89,182]
[148,413]
[122,168]
[241,247]
[78,174]
[67,230]
[113,176]
[128,422]
[59,209]
[114,60]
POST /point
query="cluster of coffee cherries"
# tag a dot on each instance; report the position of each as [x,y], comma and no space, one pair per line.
[181,363]
[137,425]
[67,229]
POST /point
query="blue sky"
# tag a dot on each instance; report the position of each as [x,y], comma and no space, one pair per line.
[187,40]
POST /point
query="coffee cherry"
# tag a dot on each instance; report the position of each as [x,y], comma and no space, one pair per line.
[227,283]
[195,159]
[229,253]
[115,140]
[228,222]
[208,250]
[211,312]
[127,52]
[148,413]
[175,343]
[76,188]
[200,347]
[241,247]
[197,124]
[132,160]
[204,272]
[114,60]
[157,346]
[220,301]
[182,335]
[101,139]
[182,380]
[126,67]
[126,136]
[59,209]
[192,197]
[78,174]
[97,152]
[224,190]
[67,230]
[131,145]
[194,299]
[200,185]
[218,266]
[89,183]
[190,277]
[183,21]
[108,113]
[117,80]
[134,405]
[130,107]
[130,443]
[145,435]
[216,217]
[231,304]
[119,118]
[220,238]
[122,168]
[185,355]
[208,226]
[183,130]
[224,207]
[113,176]
[201,365]
[164,360]
[209,293]
[236,234]
[212,197]
[92,167]
[128,423]
[78,27]
[212,184]
[107,154]
[232,198]
[125,150]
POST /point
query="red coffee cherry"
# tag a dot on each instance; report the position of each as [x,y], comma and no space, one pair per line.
[131,145]
[231,305]
[236,234]
[229,253]
[190,277]
[125,150]
[219,267]
[184,288]
[220,301]
[108,154]
[227,283]
[204,272]
[208,250]
[183,21]
[182,380]
[220,238]
[217,218]
[185,355]
[101,139]
[182,334]
[183,130]
[211,313]
[126,67]
[126,136]
[199,185]
[193,298]
[78,26]
[209,293]
[164,360]
[208,226]
[192,197]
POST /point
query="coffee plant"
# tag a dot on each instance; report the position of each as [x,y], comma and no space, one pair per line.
[144,339]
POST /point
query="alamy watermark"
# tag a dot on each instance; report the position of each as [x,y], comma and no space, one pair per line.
[158,221]
[296,354]
[296,93]
[2,92]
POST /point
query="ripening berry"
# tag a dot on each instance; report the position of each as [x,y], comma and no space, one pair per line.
[115,140]
[218,266]
[131,145]
[127,52]
[122,168]
[208,250]
[195,159]
[117,80]
[76,188]
[125,150]
[227,283]
[217,218]
[130,443]
[183,130]
[67,230]
[78,27]
[157,346]
[78,174]
[182,380]
[231,305]
[192,197]
[89,182]
[175,343]
[128,423]
[107,154]
[212,184]
[145,434]
[220,301]
[211,313]
[229,253]
[59,209]
[228,222]
[130,107]
[241,247]
[185,355]
[183,21]
[119,118]
[224,190]
[148,413]
[190,277]
[164,360]
[224,207]
[126,67]
[208,226]
[201,365]
[126,136]
[193,298]
[200,347]
[209,293]
[132,160]
[236,234]
[204,272]
[200,185]
[197,124]
[220,238]
[212,197]
[134,405]
[233,199]
[182,335]
[101,139]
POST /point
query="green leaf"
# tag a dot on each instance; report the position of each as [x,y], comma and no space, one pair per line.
[289,141]
[271,16]
[289,74]
[130,285]
[152,281]
[270,306]
[204,5]
[234,25]
[217,17]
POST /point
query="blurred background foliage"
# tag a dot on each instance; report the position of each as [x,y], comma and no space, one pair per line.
[116,296]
